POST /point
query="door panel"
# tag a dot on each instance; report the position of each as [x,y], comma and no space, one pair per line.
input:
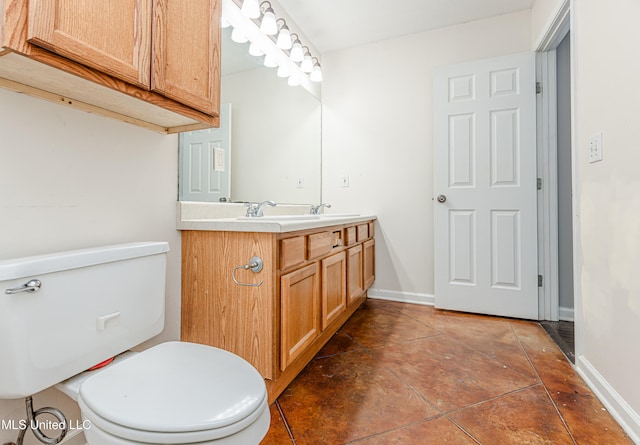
[334,287]
[485,166]
[462,247]
[185,65]
[113,36]
[355,277]
[300,319]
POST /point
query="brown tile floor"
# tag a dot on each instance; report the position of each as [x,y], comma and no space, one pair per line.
[405,374]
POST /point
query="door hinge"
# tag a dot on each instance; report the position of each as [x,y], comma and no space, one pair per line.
[538,88]
[539,280]
[539,183]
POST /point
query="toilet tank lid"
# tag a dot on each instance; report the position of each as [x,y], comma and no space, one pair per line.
[55,262]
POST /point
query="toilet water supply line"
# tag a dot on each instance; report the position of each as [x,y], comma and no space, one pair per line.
[33,425]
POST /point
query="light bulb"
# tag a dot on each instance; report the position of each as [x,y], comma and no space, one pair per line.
[283,71]
[238,36]
[251,8]
[297,55]
[268,24]
[284,38]
[316,74]
[270,61]
[254,50]
[307,64]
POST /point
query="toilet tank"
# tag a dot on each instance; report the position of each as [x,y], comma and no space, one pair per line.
[92,304]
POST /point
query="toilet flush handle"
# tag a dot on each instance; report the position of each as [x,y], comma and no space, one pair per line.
[31,286]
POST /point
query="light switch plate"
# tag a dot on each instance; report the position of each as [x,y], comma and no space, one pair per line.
[595,148]
[344,181]
[300,183]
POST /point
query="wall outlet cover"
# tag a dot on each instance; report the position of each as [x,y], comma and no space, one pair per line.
[595,148]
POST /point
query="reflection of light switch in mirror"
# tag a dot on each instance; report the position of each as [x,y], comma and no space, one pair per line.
[300,183]
[218,159]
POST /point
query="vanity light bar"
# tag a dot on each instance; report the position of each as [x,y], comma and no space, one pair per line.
[271,36]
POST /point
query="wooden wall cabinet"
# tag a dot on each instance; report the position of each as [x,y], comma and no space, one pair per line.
[154,63]
[312,282]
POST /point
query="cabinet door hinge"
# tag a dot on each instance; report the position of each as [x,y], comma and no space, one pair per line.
[539,280]
[538,88]
[539,183]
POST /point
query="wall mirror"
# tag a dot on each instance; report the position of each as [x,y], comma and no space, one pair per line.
[274,138]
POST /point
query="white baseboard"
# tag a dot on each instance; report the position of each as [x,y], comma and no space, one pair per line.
[624,414]
[403,297]
[566,314]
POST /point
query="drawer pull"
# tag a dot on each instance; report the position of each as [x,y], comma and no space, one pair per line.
[255,265]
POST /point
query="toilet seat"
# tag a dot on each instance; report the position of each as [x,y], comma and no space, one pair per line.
[175,392]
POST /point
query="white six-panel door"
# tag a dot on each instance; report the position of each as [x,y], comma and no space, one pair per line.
[205,161]
[485,168]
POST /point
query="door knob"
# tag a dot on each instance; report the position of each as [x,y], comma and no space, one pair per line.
[441,198]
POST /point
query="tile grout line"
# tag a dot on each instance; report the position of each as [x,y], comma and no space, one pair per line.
[286,423]
[546,390]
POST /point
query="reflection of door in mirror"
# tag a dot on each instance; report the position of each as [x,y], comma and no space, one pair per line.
[205,162]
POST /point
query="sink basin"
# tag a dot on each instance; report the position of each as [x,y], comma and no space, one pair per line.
[338,215]
[279,218]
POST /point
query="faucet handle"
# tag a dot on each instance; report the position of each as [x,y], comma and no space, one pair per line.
[315,210]
[252,209]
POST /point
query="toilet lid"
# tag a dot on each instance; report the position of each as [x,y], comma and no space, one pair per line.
[176,387]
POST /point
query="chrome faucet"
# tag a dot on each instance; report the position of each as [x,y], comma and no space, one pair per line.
[315,210]
[262,205]
[257,210]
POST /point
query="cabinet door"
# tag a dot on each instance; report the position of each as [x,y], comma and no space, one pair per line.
[111,36]
[300,303]
[355,281]
[334,287]
[186,52]
[369,263]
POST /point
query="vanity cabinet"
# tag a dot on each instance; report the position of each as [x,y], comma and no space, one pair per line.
[311,283]
[155,63]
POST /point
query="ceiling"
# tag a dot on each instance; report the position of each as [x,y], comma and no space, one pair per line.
[337,24]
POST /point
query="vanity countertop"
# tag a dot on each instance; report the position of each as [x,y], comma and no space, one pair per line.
[269,225]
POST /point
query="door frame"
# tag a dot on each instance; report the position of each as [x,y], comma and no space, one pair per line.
[547,147]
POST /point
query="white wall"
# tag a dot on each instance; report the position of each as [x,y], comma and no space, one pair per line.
[607,95]
[377,128]
[542,15]
[68,180]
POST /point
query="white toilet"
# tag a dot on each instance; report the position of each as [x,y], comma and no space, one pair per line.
[62,313]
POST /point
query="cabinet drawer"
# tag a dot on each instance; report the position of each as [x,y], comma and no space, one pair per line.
[291,252]
[363,232]
[319,244]
[350,236]
[371,229]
